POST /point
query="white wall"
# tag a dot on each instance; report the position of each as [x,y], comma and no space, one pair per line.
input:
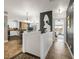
[5,28]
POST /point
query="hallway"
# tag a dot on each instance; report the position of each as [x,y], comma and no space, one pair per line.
[59,51]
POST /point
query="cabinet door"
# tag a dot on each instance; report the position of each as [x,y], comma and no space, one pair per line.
[23,25]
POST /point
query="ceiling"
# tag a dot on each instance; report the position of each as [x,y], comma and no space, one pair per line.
[18,9]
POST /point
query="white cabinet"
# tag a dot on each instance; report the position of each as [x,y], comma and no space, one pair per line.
[36,43]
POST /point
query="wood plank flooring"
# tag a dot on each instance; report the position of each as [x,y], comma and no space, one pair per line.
[25,56]
[13,50]
[59,51]
[12,47]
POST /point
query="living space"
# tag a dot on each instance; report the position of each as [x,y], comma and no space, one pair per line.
[38,29]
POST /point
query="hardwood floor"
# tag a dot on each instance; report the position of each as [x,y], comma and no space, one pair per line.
[25,56]
[59,51]
[12,47]
[13,50]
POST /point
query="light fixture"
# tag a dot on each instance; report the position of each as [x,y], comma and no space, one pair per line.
[60,10]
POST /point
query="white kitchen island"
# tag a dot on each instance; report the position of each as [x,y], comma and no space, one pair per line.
[36,43]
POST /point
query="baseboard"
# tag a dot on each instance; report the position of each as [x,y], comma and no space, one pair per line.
[69,50]
[32,55]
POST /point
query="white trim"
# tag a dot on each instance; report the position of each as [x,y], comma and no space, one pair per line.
[5,41]
[69,50]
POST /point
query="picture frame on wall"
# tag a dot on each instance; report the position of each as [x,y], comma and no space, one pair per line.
[46,21]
